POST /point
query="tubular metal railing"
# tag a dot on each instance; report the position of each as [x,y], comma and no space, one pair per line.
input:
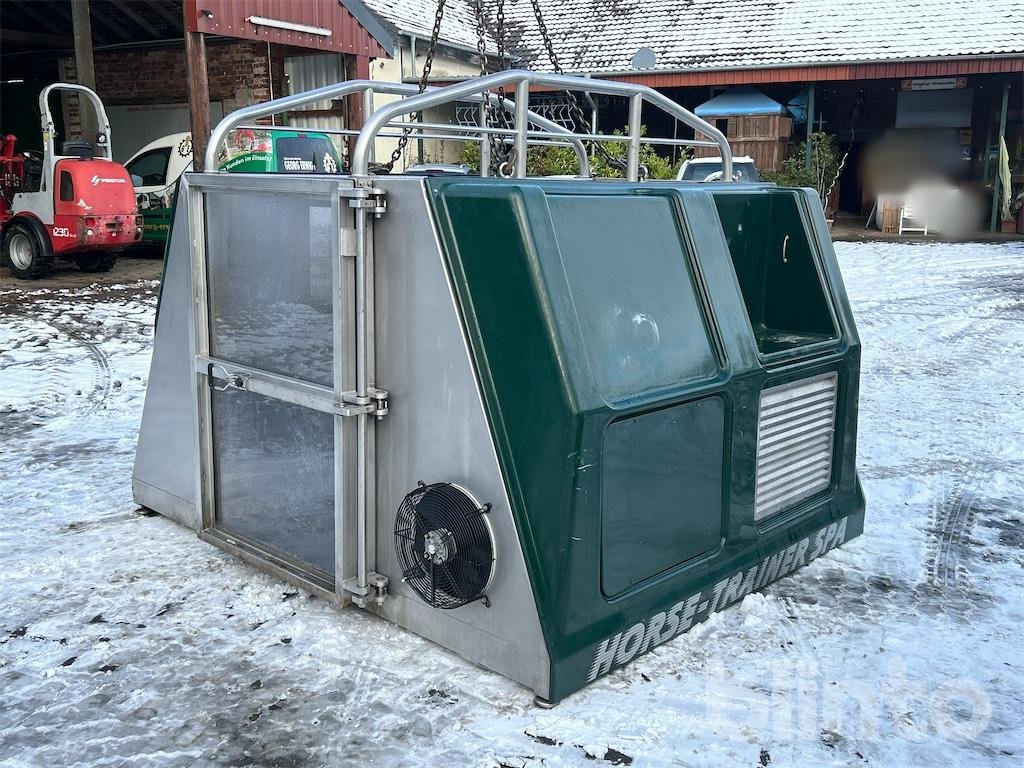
[554,133]
[387,122]
[523,80]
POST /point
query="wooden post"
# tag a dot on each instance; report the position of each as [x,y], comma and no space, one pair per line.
[990,114]
[996,186]
[356,68]
[808,149]
[85,70]
[198,95]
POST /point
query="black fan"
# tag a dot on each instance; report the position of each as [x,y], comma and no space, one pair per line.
[444,545]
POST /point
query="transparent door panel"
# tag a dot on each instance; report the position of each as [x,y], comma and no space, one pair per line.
[269,272]
[274,470]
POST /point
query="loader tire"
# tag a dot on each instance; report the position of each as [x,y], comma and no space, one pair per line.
[26,250]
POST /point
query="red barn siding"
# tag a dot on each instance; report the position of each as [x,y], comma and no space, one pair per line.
[229,19]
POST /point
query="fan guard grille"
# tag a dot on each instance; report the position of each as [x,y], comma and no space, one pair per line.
[444,545]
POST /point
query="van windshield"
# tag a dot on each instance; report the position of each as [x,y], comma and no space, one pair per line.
[150,168]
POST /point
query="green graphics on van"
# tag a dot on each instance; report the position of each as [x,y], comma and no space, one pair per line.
[157,167]
[258,151]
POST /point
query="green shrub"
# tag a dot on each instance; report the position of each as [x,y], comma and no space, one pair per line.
[823,172]
[561,161]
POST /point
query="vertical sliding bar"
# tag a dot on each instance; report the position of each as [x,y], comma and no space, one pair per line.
[522,106]
[346,512]
[200,338]
[369,422]
[341,361]
[636,105]
[485,145]
[360,218]
[359,214]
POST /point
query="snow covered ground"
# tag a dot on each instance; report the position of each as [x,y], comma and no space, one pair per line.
[124,640]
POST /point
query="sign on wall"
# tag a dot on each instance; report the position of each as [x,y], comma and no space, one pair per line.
[933,84]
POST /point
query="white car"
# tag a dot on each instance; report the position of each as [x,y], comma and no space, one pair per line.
[710,169]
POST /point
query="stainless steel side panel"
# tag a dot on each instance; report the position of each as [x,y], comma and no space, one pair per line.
[437,431]
[166,460]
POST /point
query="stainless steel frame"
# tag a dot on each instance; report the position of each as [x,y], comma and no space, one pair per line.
[522,80]
[428,367]
[438,431]
[552,133]
[337,401]
[482,90]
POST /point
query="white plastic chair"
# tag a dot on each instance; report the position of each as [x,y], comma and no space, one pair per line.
[906,214]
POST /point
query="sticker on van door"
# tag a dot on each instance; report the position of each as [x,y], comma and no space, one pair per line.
[297,165]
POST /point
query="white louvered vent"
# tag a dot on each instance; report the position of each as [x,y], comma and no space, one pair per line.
[795,438]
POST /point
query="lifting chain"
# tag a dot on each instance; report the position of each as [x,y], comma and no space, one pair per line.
[501,154]
[428,64]
[575,110]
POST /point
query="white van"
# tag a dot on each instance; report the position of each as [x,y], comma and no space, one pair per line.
[156,168]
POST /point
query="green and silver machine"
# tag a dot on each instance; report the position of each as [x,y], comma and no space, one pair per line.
[548,424]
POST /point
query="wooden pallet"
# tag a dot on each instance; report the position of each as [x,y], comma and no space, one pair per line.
[891,219]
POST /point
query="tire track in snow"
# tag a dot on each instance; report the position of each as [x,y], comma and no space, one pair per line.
[96,397]
[954,517]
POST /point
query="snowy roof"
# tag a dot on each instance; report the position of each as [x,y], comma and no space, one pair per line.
[741,100]
[416,17]
[603,35]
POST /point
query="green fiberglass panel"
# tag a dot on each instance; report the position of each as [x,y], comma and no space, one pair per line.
[776,269]
[631,480]
[661,491]
[637,318]
[513,338]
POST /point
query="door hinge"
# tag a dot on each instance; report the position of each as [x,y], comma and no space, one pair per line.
[376,589]
[375,402]
[372,199]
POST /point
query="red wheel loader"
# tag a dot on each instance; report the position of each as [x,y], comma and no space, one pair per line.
[77,205]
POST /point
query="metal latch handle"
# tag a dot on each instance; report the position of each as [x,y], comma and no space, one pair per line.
[231,379]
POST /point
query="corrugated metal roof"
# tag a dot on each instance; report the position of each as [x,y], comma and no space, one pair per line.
[603,36]
[416,17]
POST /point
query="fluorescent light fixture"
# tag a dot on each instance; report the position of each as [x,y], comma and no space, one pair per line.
[262,21]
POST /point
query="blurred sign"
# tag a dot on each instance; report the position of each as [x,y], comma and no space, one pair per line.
[934,84]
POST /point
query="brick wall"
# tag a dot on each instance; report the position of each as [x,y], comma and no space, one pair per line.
[238,74]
